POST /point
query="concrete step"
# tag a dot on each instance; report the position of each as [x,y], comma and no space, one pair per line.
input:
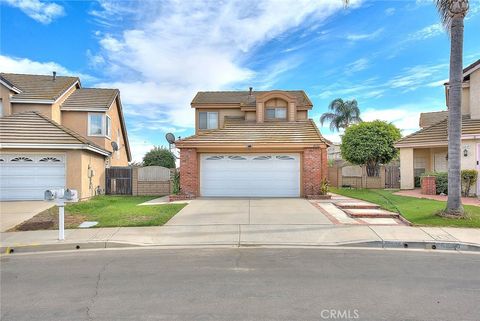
[371,213]
[357,205]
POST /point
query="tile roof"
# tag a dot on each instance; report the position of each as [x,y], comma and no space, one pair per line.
[243,97]
[241,132]
[437,134]
[428,119]
[90,98]
[33,128]
[39,87]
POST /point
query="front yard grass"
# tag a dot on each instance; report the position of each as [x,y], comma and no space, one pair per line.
[108,211]
[418,211]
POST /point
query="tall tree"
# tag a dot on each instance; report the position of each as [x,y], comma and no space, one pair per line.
[159,156]
[343,114]
[453,13]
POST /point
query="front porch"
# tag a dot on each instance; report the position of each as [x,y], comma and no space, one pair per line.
[414,162]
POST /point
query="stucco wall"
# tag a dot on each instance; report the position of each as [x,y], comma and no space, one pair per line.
[44,109]
[406,168]
[475,94]
[5,97]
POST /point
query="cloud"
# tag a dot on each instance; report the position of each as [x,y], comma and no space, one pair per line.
[358,65]
[418,76]
[27,66]
[427,32]
[364,36]
[390,11]
[40,11]
[172,49]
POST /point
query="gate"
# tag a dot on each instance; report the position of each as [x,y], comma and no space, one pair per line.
[118,181]
[392,176]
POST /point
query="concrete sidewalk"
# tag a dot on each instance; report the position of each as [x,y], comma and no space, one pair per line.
[247,235]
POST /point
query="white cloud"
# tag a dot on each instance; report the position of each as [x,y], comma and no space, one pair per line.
[176,48]
[358,65]
[27,66]
[390,11]
[39,11]
[427,32]
[418,76]
[364,36]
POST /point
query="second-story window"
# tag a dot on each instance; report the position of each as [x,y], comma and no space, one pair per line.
[99,124]
[208,120]
[276,113]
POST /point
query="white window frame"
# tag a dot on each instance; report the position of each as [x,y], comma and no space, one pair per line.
[104,125]
[1,107]
[108,126]
[209,113]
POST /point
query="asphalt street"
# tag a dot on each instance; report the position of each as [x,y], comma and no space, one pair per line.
[241,284]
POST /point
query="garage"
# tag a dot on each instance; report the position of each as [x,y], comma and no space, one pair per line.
[27,176]
[250,175]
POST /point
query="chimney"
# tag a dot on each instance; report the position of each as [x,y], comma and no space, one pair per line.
[54,76]
[250,91]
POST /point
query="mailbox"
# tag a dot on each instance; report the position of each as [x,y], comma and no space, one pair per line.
[49,195]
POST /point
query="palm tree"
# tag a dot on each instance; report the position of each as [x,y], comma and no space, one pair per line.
[344,113]
[453,13]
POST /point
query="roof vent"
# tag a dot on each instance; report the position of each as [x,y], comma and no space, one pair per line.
[54,76]
[250,92]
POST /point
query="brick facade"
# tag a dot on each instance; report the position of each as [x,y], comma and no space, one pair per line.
[429,187]
[189,176]
[314,169]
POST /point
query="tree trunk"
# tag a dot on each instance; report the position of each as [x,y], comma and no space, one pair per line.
[454,202]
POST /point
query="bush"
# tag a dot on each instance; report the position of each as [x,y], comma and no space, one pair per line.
[469,177]
[417,181]
[441,181]
[176,183]
[324,186]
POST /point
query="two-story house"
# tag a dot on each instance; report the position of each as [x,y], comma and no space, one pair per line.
[426,149]
[253,144]
[55,134]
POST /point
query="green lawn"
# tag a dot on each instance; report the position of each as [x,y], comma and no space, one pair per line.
[418,211]
[111,211]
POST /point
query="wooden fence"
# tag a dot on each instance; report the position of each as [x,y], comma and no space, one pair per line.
[152,180]
[342,174]
[118,181]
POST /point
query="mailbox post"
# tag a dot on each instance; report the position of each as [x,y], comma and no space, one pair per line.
[61,219]
[60,196]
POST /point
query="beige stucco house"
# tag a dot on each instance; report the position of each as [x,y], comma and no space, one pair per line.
[56,134]
[253,143]
[426,149]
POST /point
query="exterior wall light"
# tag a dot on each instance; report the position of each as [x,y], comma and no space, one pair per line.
[465,152]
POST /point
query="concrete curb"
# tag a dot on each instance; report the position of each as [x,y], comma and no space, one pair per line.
[416,245]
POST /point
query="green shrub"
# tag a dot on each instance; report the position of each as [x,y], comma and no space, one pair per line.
[469,177]
[324,186]
[176,182]
[441,181]
[417,181]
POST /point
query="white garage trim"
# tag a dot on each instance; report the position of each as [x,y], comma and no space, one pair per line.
[250,175]
[25,176]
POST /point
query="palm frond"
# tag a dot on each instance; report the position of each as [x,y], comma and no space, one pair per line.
[447,8]
[327,117]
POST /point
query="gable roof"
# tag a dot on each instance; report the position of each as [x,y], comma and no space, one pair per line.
[243,98]
[90,99]
[34,130]
[39,87]
[437,134]
[428,119]
[240,133]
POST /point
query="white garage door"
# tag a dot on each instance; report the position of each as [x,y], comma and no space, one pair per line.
[250,175]
[26,177]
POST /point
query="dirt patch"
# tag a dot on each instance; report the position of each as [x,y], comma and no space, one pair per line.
[48,220]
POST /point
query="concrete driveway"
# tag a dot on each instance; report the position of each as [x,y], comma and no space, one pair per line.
[14,213]
[255,211]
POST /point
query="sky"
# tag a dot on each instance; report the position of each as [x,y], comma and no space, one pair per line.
[391,56]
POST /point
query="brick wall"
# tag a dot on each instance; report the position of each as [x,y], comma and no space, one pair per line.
[429,187]
[314,169]
[189,171]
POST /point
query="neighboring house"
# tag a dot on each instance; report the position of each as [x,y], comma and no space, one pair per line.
[334,153]
[253,143]
[56,134]
[426,149]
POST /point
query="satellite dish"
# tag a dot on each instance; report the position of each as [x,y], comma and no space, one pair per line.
[114,146]
[170,138]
